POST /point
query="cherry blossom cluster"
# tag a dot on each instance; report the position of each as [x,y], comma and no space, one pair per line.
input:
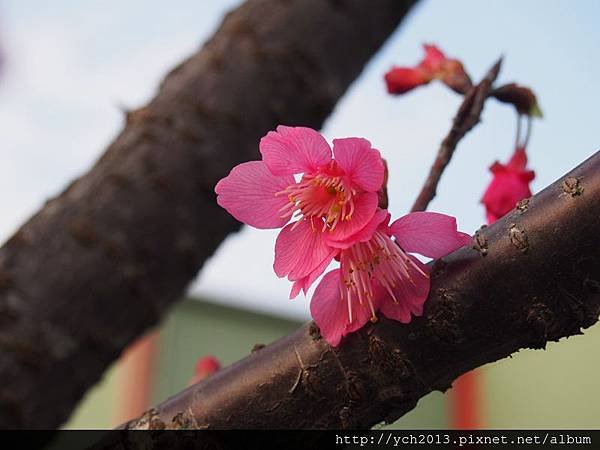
[326,202]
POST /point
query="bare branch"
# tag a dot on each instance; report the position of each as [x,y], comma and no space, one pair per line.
[466,118]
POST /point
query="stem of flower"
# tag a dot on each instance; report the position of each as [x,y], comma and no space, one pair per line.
[518,134]
[527,133]
[467,117]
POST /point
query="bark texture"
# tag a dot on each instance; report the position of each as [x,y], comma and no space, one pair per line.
[531,277]
[101,262]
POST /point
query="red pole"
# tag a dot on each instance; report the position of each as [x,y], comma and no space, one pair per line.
[466,402]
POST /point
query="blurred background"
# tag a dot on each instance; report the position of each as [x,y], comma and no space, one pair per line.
[70,68]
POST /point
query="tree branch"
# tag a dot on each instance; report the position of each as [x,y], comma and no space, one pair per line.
[466,118]
[104,260]
[530,278]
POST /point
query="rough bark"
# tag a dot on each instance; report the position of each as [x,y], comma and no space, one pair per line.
[101,262]
[531,277]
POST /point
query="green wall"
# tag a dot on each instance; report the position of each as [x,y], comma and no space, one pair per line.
[196,329]
[553,388]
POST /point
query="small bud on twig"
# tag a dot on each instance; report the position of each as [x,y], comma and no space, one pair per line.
[523,99]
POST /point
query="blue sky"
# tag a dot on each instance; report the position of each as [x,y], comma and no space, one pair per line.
[71,66]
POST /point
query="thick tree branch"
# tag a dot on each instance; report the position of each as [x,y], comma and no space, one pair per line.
[466,118]
[531,277]
[103,261]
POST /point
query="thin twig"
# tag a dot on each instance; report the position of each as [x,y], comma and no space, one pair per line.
[527,133]
[518,135]
[467,117]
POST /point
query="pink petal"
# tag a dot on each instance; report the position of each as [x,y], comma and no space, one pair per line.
[330,311]
[365,233]
[300,249]
[248,194]
[434,58]
[361,163]
[291,150]
[361,314]
[297,286]
[430,234]
[306,282]
[410,295]
[365,206]
[395,311]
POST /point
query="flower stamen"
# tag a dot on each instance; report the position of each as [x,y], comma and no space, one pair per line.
[321,195]
[379,259]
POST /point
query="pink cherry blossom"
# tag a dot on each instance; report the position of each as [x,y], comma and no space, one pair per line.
[378,272]
[509,185]
[331,200]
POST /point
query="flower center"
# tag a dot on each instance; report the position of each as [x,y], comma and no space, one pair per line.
[379,259]
[321,195]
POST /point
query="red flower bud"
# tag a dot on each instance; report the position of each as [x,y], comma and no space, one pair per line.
[434,65]
[402,79]
[206,366]
[509,185]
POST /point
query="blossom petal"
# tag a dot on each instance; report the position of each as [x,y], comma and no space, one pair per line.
[306,282]
[498,168]
[410,295]
[502,194]
[365,207]
[297,286]
[291,150]
[361,314]
[518,166]
[509,185]
[330,310]
[299,249]
[400,80]
[518,161]
[434,58]
[430,234]
[361,163]
[365,233]
[248,194]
